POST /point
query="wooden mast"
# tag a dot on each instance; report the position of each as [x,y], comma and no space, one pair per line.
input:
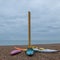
[29,30]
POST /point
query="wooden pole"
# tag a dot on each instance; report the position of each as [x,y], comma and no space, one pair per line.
[29,30]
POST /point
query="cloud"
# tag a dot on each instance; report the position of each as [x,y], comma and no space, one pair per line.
[45,18]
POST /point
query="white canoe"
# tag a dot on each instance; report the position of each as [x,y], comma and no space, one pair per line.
[45,50]
[48,51]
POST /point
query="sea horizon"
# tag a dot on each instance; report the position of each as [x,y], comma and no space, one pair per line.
[25,42]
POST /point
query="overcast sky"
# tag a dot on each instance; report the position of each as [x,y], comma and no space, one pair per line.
[45,19]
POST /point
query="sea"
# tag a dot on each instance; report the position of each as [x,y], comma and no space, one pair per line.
[25,42]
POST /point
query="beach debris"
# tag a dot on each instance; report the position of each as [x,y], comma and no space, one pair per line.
[15,52]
